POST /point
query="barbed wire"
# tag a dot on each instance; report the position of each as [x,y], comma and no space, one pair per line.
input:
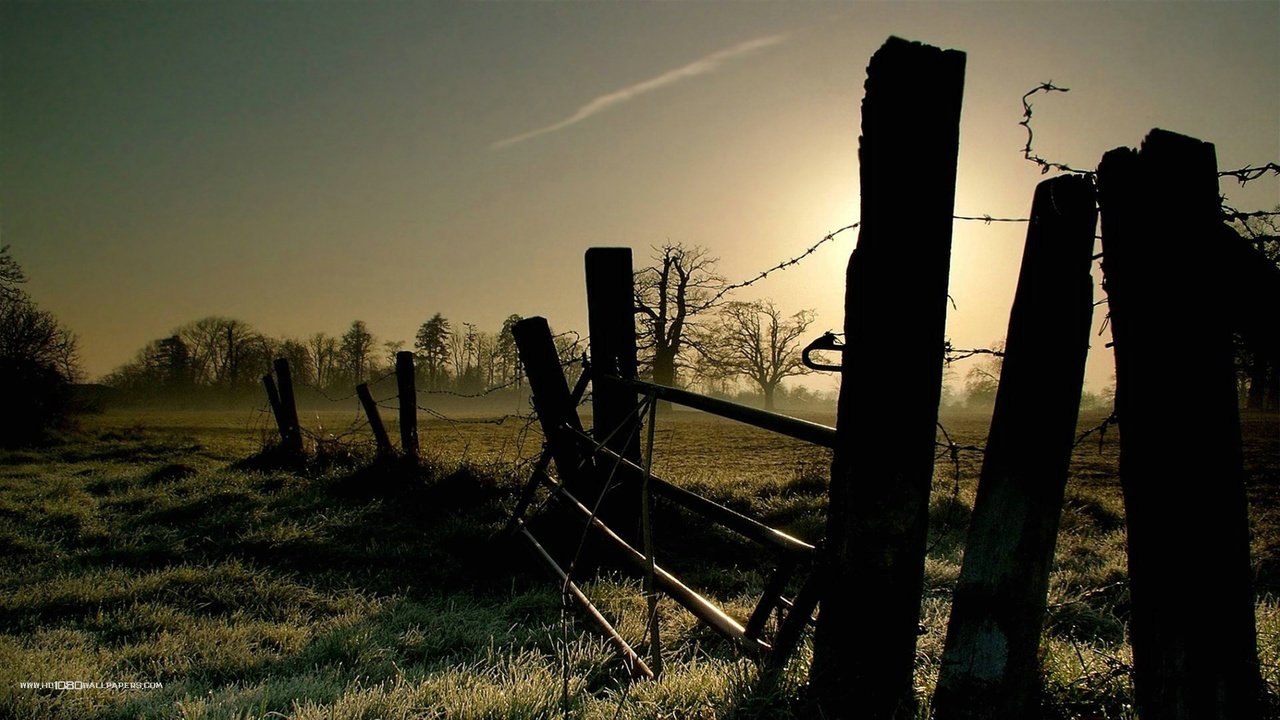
[951,354]
[1027,152]
[1100,429]
[780,266]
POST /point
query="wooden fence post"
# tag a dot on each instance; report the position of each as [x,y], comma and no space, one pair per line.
[408,405]
[1193,633]
[895,317]
[289,408]
[611,323]
[551,397]
[375,419]
[990,667]
[273,398]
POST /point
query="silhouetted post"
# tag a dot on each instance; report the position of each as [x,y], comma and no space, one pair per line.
[551,397]
[611,323]
[273,398]
[990,667]
[614,420]
[408,405]
[375,419]
[1181,468]
[289,408]
[891,381]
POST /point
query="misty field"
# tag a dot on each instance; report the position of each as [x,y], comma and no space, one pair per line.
[162,548]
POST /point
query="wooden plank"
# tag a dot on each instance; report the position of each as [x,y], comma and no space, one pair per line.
[408,393]
[375,419]
[990,665]
[1181,467]
[891,380]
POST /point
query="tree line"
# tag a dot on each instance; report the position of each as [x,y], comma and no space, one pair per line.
[39,362]
[219,355]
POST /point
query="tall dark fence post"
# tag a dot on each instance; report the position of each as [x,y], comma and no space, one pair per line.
[611,323]
[551,397]
[1181,468]
[288,407]
[990,667]
[895,317]
[408,404]
[375,419]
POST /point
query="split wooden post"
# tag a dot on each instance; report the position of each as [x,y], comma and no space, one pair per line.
[375,419]
[551,397]
[408,405]
[990,666]
[895,317]
[1193,632]
[614,418]
[273,398]
[291,433]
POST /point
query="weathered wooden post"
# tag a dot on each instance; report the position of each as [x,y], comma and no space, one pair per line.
[891,382]
[614,418]
[611,323]
[375,419]
[408,405]
[293,439]
[273,398]
[1193,633]
[990,666]
[551,397]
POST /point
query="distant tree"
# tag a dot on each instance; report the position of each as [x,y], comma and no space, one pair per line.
[226,352]
[38,362]
[323,353]
[431,345]
[301,367]
[355,352]
[983,379]
[506,355]
[391,348]
[1257,369]
[671,296]
[755,341]
[464,349]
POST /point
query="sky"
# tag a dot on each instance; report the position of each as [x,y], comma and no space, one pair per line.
[300,165]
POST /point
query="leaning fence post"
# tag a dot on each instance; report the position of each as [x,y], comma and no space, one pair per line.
[408,405]
[375,419]
[895,317]
[273,398]
[551,397]
[289,408]
[1192,629]
[990,665]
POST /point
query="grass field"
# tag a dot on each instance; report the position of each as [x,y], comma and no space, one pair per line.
[156,548]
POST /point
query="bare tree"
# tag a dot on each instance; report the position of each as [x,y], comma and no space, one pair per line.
[323,350]
[756,341]
[671,295]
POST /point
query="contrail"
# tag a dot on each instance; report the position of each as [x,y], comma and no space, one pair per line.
[701,66]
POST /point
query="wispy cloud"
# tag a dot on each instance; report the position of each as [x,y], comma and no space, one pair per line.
[702,66]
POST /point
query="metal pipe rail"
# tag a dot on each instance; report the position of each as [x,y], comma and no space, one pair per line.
[810,432]
[729,518]
[688,598]
[635,666]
